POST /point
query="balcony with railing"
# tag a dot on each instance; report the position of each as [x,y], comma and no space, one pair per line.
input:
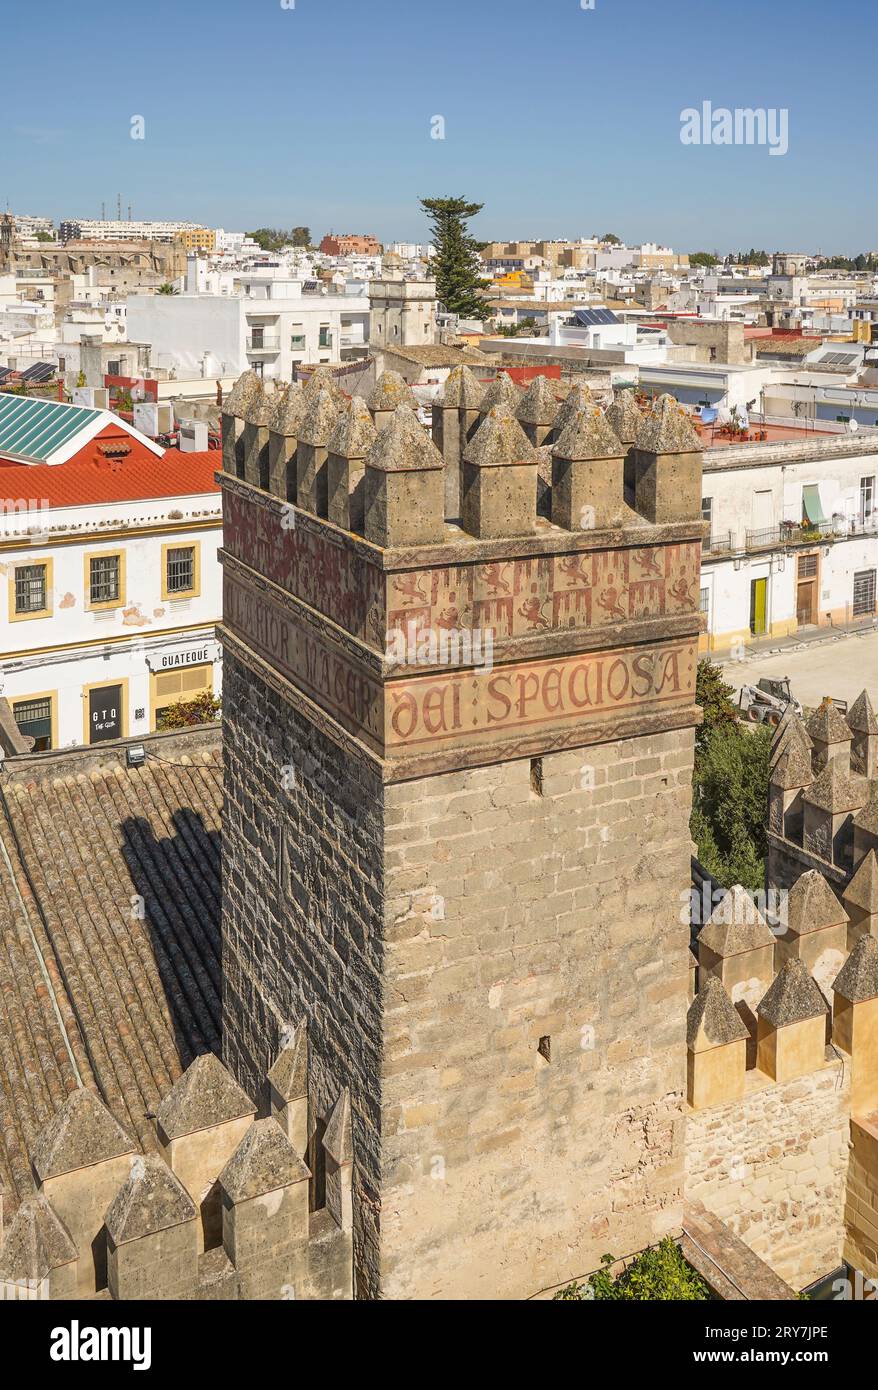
[263,342]
[718,543]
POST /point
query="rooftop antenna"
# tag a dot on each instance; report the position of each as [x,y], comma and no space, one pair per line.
[129,212]
[103,212]
[119,207]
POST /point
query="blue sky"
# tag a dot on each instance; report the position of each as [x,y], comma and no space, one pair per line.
[562,121]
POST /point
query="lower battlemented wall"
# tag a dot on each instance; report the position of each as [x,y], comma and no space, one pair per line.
[861,1212]
[774,1166]
[515,915]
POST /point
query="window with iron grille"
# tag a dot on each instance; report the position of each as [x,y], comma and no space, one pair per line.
[34,719]
[104,579]
[30,589]
[864,592]
[807,566]
[707,509]
[704,600]
[181,569]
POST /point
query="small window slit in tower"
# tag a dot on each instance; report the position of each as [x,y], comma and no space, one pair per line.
[536,776]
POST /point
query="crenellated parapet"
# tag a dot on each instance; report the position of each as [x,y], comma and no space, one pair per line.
[357,587]
[225,1205]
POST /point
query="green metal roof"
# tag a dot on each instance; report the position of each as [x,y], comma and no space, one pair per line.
[35,429]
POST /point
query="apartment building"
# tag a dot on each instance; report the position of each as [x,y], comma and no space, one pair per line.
[793,535]
[118,229]
[112,584]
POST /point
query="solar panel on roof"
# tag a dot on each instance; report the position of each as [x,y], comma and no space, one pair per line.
[587,318]
[39,371]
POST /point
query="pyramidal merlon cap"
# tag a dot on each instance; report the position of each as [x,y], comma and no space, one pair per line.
[239,397]
[389,391]
[289,1073]
[539,404]
[578,398]
[735,925]
[503,391]
[264,1161]
[812,905]
[289,410]
[588,435]
[713,1020]
[36,1242]
[862,891]
[403,445]
[354,432]
[462,390]
[860,717]
[625,416]
[81,1133]
[827,724]
[791,997]
[667,430]
[320,417]
[498,440]
[858,978]
[151,1199]
[205,1095]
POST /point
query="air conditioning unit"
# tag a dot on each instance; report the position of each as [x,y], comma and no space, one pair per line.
[193,437]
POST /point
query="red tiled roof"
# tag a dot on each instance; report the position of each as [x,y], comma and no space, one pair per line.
[137,476]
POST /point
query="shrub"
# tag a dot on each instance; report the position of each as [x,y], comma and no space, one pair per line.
[657,1274]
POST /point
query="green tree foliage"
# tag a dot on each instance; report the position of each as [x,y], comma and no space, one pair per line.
[456,265]
[751,257]
[702,258]
[655,1275]
[167,288]
[730,786]
[276,238]
[611,239]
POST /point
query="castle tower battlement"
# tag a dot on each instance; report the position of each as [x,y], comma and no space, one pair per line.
[458,755]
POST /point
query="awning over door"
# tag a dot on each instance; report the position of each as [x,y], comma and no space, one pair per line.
[811,504]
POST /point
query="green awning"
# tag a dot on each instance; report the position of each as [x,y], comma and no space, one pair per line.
[811,504]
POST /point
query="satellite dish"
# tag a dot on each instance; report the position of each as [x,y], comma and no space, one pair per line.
[853,426]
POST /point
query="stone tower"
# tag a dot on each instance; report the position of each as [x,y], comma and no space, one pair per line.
[456,843]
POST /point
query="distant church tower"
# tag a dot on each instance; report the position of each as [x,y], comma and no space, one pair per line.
[458,766]
[7,232]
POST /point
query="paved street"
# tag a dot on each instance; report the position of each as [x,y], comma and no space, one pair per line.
[840,667]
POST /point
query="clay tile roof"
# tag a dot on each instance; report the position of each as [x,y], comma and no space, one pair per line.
[860,717]
[498,440]
[625,416]
[502,391]
[858,978]
[791,997]
[793,766]
[151,1199]
[93,993]
[390,391]
[354,432]
[36,1242]
[812,904]
[264,1161]
[835,790]
[239,397]
[862,891]
[289,1073]
[320,417]
[667,430]
[81,1133]
[827,724]
[403,445]
[461,389]
[539,404]
[205,1095]
[578,398]
[713,1020]
[735,925]
[588,436]
[140,477]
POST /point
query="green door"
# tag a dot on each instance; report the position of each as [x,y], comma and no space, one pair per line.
[759,607]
